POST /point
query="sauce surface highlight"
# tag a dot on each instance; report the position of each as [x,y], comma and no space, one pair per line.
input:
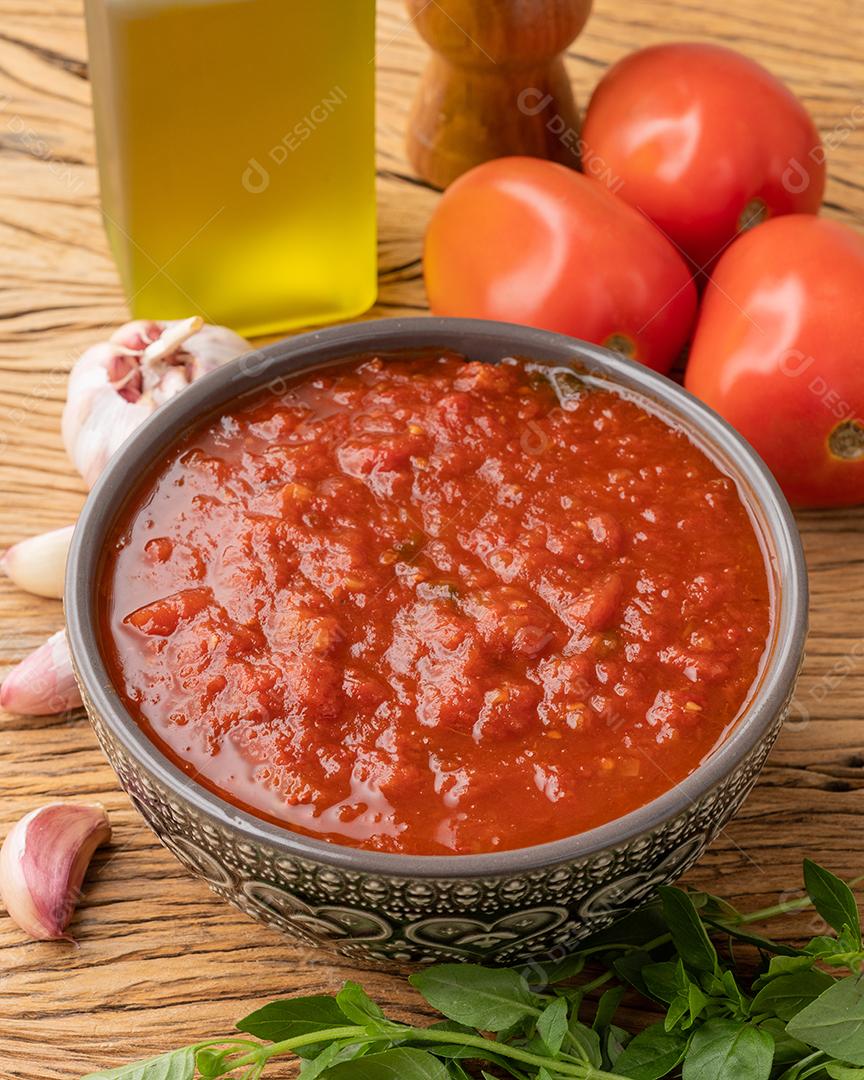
[433,606]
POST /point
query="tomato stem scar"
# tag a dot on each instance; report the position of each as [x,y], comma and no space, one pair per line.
[846,441]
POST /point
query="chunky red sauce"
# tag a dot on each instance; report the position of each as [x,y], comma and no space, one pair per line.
[422,606]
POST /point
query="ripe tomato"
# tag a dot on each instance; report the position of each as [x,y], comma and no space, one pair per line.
[777,352]
[705,142]
[527,241]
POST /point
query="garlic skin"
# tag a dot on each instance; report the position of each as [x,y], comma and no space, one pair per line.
[43,683]
[43,862]
[115,385]
[38,565]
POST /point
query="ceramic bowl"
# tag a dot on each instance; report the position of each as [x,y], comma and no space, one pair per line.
[503,907]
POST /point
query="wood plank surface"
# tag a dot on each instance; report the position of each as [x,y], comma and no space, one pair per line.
[160,959]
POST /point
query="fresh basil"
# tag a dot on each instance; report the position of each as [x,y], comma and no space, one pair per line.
[789,994]
[662,980]
[728,1050]
[176,1065]
[799,1017]
[552,1026]
[688,931]
[290,1017]
[607,1007]
[485,998]
[654,1053]
[586,1041]
[834,1022]
[833,899]
[336,1052]
[837,1071]
[355,1004]
[399,1064]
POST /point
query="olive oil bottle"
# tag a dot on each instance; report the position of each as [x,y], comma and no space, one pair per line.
[236,156]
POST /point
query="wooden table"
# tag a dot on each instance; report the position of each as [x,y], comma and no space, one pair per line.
[161,960]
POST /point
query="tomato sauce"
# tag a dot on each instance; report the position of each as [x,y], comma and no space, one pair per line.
[436,606]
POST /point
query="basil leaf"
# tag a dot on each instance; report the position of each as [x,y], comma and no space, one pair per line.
[838,1071]
[652,1054]
[679,1007]
[696,1002]
[661,980]
[834,1022]
[639,927]
[709,904]
[485,998]
[727,1050]
[402,1063]
[288,1018]
[630,968]
[552,1026]
[787,1051]
[789,994]
[782,965]
[607,1006]
[732,990]
[358,1008]
[588,1040]
[687,930]
[176,1065]
[211,1063]
[556,972]
[823,947]
[312,1068]
[833,899]
[615,1041]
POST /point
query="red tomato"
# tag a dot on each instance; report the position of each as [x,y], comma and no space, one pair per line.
[527,241]
[777,352]
[705,142]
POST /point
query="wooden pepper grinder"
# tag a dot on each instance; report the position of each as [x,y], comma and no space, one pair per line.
[495,84]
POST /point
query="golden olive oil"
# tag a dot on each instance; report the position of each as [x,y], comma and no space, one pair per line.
[236,156]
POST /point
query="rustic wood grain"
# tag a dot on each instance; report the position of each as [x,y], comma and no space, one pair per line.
[161,961]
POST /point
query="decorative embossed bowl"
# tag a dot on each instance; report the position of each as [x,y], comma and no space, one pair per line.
[496,908]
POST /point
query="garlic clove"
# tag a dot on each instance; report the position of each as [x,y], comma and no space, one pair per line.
[43,683]
[38,564]
[212,346]
[43,862]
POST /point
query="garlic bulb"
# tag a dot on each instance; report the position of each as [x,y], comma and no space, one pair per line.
[38,564]
[113,388]
[117,384]
[43,862]
[43,683]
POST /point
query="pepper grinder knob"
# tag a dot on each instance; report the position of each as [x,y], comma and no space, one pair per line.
[495,84]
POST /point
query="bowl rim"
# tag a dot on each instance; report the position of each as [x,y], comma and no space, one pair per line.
[472,337]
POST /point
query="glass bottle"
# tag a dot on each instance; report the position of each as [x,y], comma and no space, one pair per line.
[236,156]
